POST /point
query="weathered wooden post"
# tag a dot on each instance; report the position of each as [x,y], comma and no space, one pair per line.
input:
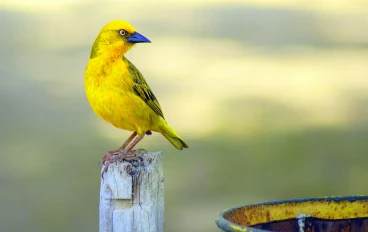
[132,195]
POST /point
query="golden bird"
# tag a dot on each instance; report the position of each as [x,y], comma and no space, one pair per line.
[118,92]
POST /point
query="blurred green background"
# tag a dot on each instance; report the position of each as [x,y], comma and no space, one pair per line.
[271,96]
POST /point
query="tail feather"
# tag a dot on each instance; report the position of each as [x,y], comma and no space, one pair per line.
[176,142]
[173,137]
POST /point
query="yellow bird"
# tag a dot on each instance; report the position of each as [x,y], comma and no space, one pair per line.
[118,92]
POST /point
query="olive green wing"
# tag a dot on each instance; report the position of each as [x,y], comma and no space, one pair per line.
[142,89]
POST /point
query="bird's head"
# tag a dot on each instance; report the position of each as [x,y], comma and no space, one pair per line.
[116,38]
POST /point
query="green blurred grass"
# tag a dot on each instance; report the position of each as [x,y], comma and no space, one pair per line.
[281,115]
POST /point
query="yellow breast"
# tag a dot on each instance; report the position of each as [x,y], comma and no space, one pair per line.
[109,90]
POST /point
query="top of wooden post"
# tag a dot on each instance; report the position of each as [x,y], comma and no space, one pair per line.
[131,194]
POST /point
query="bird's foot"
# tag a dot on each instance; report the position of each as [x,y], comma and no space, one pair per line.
[134,157]
[111,157]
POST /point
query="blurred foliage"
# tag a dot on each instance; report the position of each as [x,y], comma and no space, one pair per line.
[276,99]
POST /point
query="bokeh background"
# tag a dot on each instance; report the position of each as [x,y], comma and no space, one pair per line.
[271,96]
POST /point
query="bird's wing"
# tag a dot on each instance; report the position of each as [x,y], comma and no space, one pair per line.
[142,89]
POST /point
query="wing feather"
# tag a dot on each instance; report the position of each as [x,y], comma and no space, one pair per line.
[142,89]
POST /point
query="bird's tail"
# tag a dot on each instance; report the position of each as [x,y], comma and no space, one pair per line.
[173,137]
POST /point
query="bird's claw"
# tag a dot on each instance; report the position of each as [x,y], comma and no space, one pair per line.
[120,155]
[111,157]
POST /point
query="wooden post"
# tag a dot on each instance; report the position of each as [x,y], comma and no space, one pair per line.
[132,195]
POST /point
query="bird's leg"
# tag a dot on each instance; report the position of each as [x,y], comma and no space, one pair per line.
[129,140]
[129,155]
[121,154]
[120,151]
[111,156]
[135,143]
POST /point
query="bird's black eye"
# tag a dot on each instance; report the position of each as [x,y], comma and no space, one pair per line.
[122,32]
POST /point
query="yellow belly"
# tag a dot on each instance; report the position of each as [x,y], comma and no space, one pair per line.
[112,98]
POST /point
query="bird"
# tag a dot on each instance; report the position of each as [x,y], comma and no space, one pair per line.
[118,93]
